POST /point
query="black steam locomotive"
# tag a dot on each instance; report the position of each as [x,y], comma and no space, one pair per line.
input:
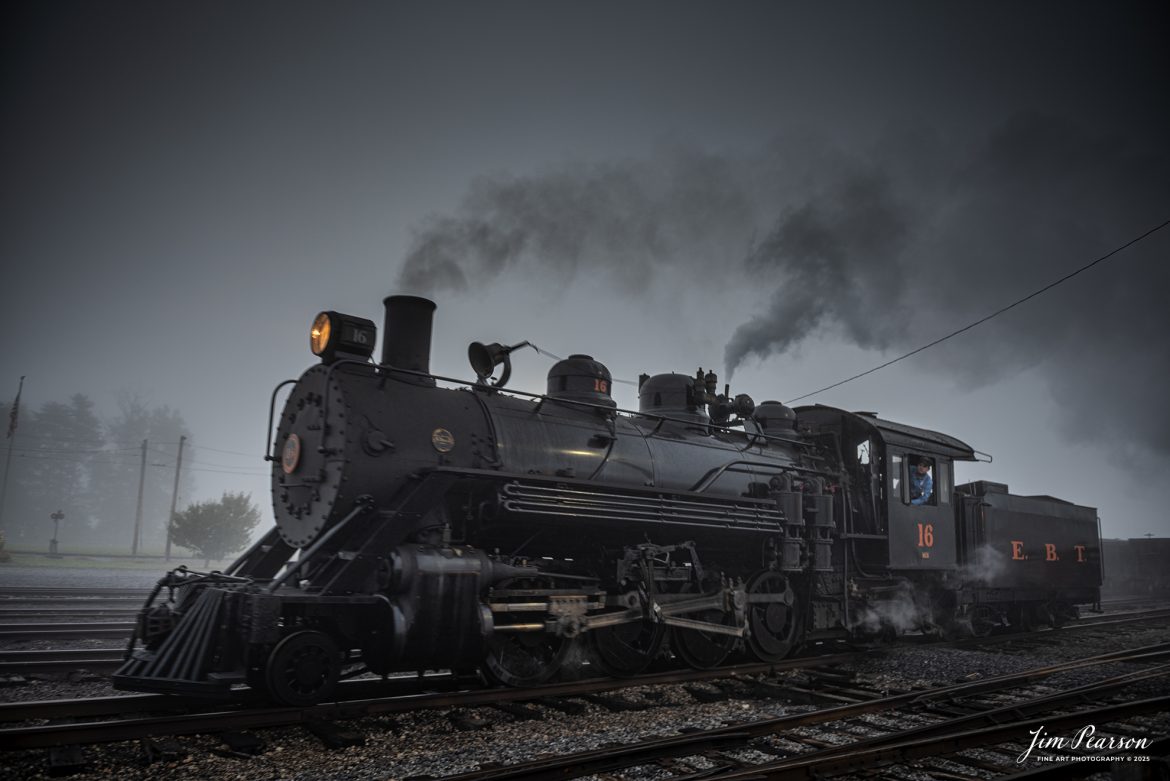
[429,523]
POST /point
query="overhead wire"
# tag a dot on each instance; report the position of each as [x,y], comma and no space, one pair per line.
[128,460]
[982,320]
[547,354]
[230,452]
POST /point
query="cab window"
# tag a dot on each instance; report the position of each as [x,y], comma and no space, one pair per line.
[922,484]
[896,475]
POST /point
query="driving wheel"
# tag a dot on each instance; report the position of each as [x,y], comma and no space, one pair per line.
[773,616]
[627,649]
[524,658]
[703,650]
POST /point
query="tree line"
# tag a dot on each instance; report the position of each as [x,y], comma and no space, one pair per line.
[66,457]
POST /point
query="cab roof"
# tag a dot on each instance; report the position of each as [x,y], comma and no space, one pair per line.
[891,433]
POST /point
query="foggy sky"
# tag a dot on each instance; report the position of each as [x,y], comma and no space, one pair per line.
[793,192]
[887,248]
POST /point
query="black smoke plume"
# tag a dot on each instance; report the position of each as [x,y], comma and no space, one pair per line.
[622,219]
[888,247]
[839,257]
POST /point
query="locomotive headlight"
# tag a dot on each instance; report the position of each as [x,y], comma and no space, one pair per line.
[335,336]
[320,333]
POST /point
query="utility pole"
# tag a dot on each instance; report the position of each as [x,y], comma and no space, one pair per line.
[175,494]
[12,418]
[57,518]
[138,512]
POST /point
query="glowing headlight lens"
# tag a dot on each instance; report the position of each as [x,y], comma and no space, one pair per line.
[320,333]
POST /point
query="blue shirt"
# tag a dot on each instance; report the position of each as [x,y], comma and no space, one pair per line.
[921,487]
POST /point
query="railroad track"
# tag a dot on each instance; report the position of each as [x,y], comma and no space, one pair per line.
[75,614]
[960,719]
[96,660]
[22,605]
[958,722]
[17,592]
[212,719]
[821,681]
[87,630]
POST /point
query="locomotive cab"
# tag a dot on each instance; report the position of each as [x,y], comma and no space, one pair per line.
[924,554]
[893,524]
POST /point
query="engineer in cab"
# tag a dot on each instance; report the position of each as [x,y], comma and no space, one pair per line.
[921,484]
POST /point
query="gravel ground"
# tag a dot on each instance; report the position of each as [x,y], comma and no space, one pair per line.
[437,743]
[924,666]
[414,744]
[440,743]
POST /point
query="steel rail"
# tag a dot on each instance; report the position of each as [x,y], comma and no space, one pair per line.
[51,592]
[124,704]
[619,757]
[218,721]
[93,664]
[91,706]
[65,630]
[221,720]
[70,602]
[814,766]
[1041,635]
[173,703]
[60,654]
[20,612]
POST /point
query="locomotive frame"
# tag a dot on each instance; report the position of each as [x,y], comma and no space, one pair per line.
[421,526]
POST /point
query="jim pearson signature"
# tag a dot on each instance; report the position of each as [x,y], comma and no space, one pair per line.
[1084,739]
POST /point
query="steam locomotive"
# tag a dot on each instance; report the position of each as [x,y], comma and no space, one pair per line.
[424,522]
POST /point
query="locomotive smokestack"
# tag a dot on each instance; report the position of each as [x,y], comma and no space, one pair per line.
[406,335]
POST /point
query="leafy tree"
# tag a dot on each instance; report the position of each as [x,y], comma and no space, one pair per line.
[68,438]
[55,450]
[216,529]
[64,457]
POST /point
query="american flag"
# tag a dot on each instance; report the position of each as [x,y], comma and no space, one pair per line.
[14,413]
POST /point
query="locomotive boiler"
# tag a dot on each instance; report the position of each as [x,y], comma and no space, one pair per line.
[424,522]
